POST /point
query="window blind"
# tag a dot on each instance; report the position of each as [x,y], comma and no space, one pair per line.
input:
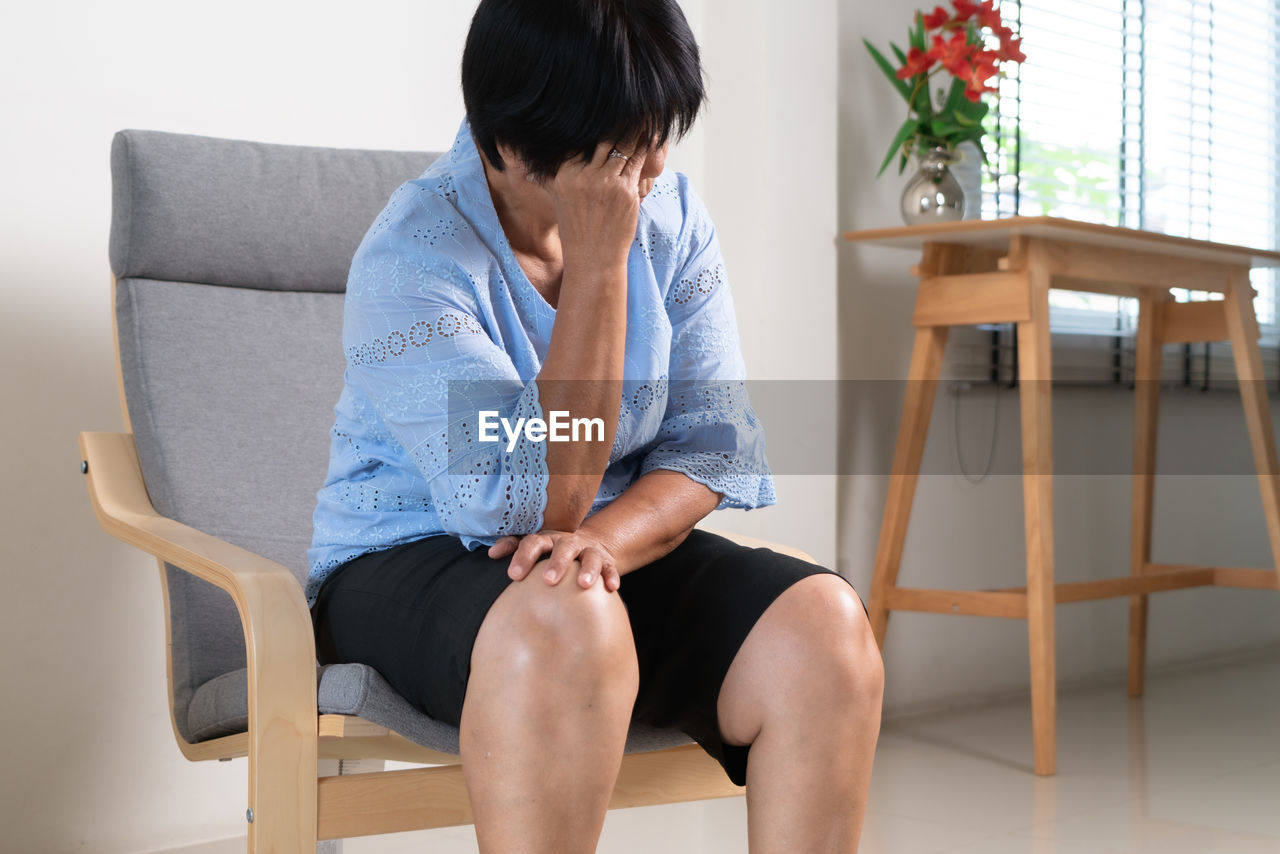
[1153,114]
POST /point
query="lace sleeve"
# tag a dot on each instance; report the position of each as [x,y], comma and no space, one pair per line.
[417,350]
[709,430]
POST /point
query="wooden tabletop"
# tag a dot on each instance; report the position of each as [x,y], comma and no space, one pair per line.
[995,234]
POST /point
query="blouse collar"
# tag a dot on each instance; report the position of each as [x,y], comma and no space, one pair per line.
[474,202]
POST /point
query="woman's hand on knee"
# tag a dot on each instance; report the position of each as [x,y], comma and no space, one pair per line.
[565,551]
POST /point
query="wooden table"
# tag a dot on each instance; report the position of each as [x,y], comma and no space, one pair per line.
[1001,271]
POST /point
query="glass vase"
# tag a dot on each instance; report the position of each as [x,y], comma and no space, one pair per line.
[933,194]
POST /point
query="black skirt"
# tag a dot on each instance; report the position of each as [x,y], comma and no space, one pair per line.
[413,611]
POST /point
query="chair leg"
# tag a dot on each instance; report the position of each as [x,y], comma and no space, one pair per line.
[281,823]
[1146,403]
[913,429]
[1242,326]
[1037,480]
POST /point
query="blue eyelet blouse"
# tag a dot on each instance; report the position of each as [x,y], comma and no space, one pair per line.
[440,323]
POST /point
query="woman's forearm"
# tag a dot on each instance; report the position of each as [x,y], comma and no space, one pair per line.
[597,206]
[651,517]
[582,376]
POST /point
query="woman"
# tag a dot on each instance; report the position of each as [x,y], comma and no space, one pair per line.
[543,594]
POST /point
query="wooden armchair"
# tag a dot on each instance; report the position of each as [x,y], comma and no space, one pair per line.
[229,262]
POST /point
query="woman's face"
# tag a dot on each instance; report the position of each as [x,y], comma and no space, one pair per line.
[654,163]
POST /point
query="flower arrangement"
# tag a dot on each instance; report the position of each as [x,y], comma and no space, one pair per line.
[957,43]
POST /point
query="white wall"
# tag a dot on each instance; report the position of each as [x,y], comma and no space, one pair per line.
[769,149]
[965,535]
[90,761]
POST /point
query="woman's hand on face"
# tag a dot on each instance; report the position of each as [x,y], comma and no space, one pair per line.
[597,206]
[564,547]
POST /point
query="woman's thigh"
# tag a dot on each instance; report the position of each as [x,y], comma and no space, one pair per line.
[412,612]
[690,613]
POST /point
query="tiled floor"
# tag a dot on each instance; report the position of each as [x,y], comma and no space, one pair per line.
[1192,767]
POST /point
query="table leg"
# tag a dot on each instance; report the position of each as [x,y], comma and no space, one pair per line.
[1034,377]
[917,406]
[1242,326]
[1146,402]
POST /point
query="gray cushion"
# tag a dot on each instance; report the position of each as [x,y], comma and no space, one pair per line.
[220,707]
[249,214]
[230,395]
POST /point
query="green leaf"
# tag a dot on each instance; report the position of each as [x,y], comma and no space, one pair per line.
[915,34]
[889,71]
[908,128]
[974,110]
[897,51]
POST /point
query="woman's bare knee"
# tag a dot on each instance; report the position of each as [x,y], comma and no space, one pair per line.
[557,631]
[811,650]
[845,660]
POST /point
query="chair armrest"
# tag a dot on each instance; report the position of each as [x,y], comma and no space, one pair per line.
[279,639]
[124,510]
[756,543]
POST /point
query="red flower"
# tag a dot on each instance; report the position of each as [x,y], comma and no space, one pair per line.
[965,9]
[975,77]
[936,18]
[955,53]
[1010,48]
[989,16]
[918,62]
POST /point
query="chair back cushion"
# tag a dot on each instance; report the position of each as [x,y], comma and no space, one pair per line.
[188,208]
[231,261]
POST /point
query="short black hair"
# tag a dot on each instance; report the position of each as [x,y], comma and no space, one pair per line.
[552,79]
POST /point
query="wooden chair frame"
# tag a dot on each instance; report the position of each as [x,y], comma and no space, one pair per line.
[290,807]
[233,196]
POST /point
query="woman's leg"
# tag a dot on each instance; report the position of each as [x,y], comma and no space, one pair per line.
[546,713]
[804,691]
